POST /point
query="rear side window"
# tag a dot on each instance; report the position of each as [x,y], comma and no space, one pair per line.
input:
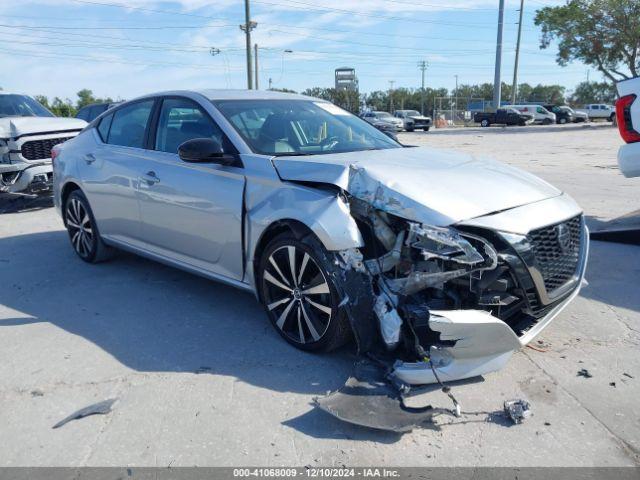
[129,125]
[103,127]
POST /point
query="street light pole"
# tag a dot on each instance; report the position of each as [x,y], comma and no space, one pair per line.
[422,65]
[514,87]
[497,86]
[391,82]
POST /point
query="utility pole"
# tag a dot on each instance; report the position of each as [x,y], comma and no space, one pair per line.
[391,82]
[246,28]
[422,65]
[514,87]
[270,81]
[497,86]
[255,55]
[456,102]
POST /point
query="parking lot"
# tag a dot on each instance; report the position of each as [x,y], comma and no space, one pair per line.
[202,379]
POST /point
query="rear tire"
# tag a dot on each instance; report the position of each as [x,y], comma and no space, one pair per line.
[410,129]
[562,121]
[297,291]
[83,230]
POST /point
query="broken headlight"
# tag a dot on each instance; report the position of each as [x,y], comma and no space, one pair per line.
[445,254]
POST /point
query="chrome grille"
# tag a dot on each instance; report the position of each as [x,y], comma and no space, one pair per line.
[40,149]
[557,252]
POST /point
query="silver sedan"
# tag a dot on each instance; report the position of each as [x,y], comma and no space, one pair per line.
[444,261]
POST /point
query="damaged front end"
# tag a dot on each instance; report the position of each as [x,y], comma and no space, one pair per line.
[452,303]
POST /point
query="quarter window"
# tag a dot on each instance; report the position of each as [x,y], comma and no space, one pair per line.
[129,124]
[181,120]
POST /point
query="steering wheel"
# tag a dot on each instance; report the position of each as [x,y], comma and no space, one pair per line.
[329,142]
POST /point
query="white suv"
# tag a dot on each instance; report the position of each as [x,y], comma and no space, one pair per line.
[28,132]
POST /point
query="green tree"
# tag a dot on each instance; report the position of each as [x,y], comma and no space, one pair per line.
[85,97]
[593,92]
[602,33]
[62,108]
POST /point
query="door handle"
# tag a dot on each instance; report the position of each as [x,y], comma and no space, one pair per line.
[150,177]
[89,158]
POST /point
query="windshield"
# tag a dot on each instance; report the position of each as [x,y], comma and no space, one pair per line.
[21,106]
[382,114]
[300,127]
[413,113]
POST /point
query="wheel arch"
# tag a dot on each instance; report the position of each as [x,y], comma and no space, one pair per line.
[66,190]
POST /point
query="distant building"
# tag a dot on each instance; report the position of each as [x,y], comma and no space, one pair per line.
[346,79]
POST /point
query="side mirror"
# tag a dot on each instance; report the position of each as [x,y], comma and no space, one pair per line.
[202,150]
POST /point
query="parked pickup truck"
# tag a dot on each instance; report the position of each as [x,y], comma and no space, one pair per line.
[600,111]
[628,115]
[28,132]
[502,116]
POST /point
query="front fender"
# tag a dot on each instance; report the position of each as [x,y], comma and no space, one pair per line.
[323,211]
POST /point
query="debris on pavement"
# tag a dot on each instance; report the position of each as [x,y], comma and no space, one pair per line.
[37,393]
[612,384]
[517,410]
[100,408]
[369,400]
[627,375]
[584,373]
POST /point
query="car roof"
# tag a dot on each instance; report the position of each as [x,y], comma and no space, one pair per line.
[233,94]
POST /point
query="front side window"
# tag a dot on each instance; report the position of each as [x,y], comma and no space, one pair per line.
[129,124]
[301,127]
[21,106]
[541,110]
[181,120]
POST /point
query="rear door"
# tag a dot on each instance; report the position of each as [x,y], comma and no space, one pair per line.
[110,170]
[191,212]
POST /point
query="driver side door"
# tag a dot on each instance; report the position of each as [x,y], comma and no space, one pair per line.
[191,213]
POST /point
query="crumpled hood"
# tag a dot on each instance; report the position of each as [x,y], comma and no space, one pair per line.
[11,127]
[426,185]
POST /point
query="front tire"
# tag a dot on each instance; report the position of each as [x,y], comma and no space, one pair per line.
[299,295]
[485,123]
[547,121]
[562,121]
[83,230]
[426,129]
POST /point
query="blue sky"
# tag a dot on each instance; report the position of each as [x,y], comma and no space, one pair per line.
[56,47]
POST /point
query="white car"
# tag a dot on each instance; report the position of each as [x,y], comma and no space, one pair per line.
[628,113]
[599,111]
[540,114]
[386,117]
[28,132]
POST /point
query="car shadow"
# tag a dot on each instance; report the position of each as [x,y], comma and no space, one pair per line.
[23,203]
